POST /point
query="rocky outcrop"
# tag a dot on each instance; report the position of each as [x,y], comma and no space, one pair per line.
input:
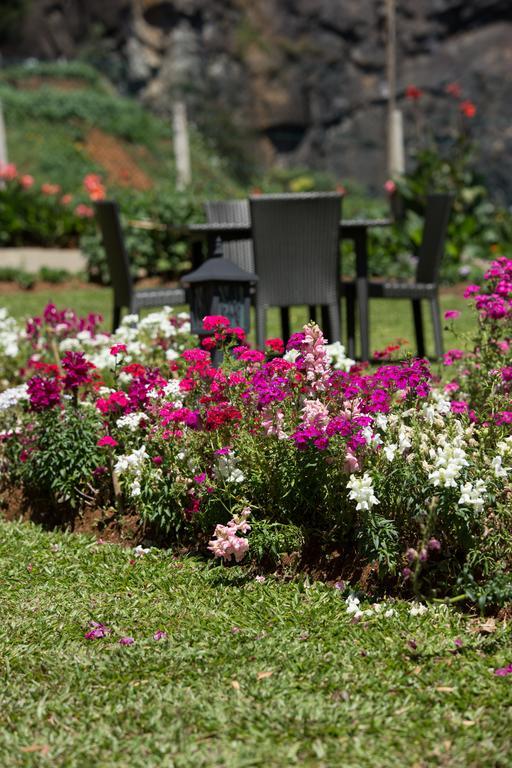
[305,79]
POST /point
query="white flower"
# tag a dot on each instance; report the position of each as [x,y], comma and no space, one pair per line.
[418,609]
[361,491]
[499,469]
[381,420]
[449,460]
[135,489]
[404,434]
[11,397]
[132,462]
[227,470]
[139,550]
[472,495]
[291,356]
[353,606]
[390,612]
[131,421]
[337,357]
[390,450]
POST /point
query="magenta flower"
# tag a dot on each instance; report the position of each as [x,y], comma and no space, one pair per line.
[126,641]
[160,635]
[215,322]
[117,349]
[97,631]
[503,671]
[107,440]
[77,369]
[451,314]
[43,393]
[471,290]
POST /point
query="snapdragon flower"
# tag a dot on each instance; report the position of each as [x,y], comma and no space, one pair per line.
[472,495]
[362,491]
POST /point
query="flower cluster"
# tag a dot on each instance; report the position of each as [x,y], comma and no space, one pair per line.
[227,543]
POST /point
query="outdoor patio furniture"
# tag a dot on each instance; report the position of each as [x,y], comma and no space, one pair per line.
[125,294]
[296,255]
[233,212]
[425,285]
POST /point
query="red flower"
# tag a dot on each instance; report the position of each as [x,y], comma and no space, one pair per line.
[276,345]
[454,89]
[413,93]
[84,211]
[467,108]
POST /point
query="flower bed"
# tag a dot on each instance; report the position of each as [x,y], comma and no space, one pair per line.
[291,449]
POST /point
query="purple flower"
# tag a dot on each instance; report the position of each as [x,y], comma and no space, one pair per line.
[458,642]
[434,545]
[160,635]
[126,641]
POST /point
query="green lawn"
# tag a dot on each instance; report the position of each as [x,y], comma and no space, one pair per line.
[250,674]
[390,319]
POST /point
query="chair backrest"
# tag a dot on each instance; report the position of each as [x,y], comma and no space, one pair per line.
[240,252]
[107,216]
[437,214]
[296,247]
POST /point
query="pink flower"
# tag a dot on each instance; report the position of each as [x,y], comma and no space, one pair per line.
[260,579]
[215,322]
[50,189]
[27,181]
[227,543]
[94,186]
[107,440]
[117,349]
[451,314]
[160,635]
[458,406]
[8,172]
[351,464]
[66,199]
[84,211]
[390,187]
[126,641]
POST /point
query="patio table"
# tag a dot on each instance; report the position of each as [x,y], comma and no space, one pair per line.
[350,229]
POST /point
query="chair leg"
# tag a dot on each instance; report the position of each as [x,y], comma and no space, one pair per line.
[436,322]
[285,323]
[351,323]
[260,325]
[326,321]
[116,318]
[418,327]
[332,330]
[312,313]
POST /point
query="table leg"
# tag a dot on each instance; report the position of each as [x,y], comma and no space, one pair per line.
[360,242]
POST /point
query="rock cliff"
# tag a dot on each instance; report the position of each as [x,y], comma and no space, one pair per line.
[304,79]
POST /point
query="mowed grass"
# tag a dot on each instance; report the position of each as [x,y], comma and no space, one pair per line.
[250,674]
[389,319]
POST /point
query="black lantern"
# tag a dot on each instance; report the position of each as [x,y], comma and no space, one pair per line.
[219,287]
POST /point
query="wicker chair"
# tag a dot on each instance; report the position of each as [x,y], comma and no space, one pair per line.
[296,255]
[125,295]
[425,285]
[232,212]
